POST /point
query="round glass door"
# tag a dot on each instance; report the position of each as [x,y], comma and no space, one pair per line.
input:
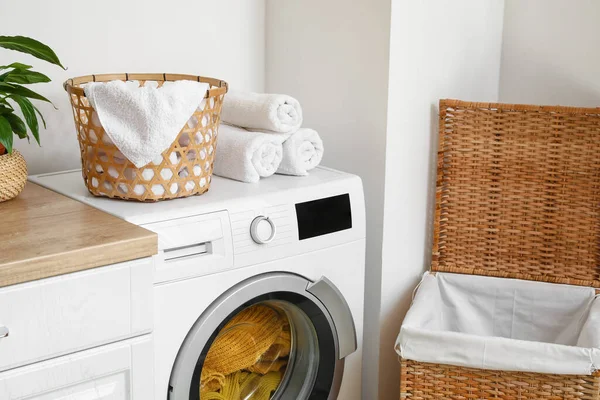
[254,343]
[256,354]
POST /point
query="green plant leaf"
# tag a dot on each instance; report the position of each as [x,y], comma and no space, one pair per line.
[11,88]
[40,115]
[5,103]
[28,111]
[30,46]
[16,65]
[24,76]
[6,135]
[17,125]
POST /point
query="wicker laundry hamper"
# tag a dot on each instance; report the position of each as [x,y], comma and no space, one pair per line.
[183,170]
[518,196]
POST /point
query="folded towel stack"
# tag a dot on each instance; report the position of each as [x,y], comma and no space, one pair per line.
[262,135]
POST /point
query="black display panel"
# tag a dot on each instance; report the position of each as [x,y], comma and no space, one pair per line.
[323,216]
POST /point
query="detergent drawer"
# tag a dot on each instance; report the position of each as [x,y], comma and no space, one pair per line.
[64,314]
[192,246]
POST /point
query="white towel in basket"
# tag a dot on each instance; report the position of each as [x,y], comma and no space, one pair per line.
[144,121]
[271,112]
[302,151]
[247,156]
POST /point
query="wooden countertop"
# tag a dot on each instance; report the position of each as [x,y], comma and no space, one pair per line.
[44,234]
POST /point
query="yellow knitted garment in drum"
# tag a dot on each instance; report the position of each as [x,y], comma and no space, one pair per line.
[246,386]
[241,344]
[274,358]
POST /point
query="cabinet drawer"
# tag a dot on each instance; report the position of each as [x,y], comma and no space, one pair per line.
[119,371]
[64,314]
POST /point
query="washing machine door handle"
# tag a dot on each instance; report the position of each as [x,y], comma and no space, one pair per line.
[333,300]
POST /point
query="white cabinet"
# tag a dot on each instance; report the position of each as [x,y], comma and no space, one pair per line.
[119,371]
[80,336]
[65,314]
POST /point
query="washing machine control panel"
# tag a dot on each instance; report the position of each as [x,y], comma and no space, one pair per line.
[263,228]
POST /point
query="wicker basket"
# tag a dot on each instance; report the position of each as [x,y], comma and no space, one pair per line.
[183,170]
[13,175]
[518,196]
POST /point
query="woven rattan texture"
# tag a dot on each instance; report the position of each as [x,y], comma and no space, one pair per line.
[13,175]
[183,170]
[518,192]
[424,381]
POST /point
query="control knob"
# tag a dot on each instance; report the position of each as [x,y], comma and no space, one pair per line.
[262,230]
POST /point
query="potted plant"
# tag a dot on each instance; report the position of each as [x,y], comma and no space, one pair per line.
[15,96]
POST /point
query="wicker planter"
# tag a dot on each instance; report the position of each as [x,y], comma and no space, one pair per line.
[517,196]
[13,175]
[185,169]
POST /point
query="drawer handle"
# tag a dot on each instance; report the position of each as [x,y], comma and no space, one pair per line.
[3,332]
[197,249]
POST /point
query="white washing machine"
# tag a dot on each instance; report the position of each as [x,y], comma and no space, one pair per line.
[258,287]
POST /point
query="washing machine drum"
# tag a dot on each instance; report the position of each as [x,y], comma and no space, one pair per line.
[255,343]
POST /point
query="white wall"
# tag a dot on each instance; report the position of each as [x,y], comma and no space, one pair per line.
[333,56]
[213,38]
[438,49]
[550,52]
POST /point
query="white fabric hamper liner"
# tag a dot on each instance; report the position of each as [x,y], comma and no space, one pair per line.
[502,324]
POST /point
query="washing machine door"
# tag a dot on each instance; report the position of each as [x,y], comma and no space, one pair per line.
[273,336]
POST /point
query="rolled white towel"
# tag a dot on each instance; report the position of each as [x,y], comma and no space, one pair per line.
[247,156]
[302,151]
[272,112]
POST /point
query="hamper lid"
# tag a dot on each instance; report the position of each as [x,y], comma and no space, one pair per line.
[518,192]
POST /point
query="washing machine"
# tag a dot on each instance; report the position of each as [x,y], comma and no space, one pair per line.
[259,288]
